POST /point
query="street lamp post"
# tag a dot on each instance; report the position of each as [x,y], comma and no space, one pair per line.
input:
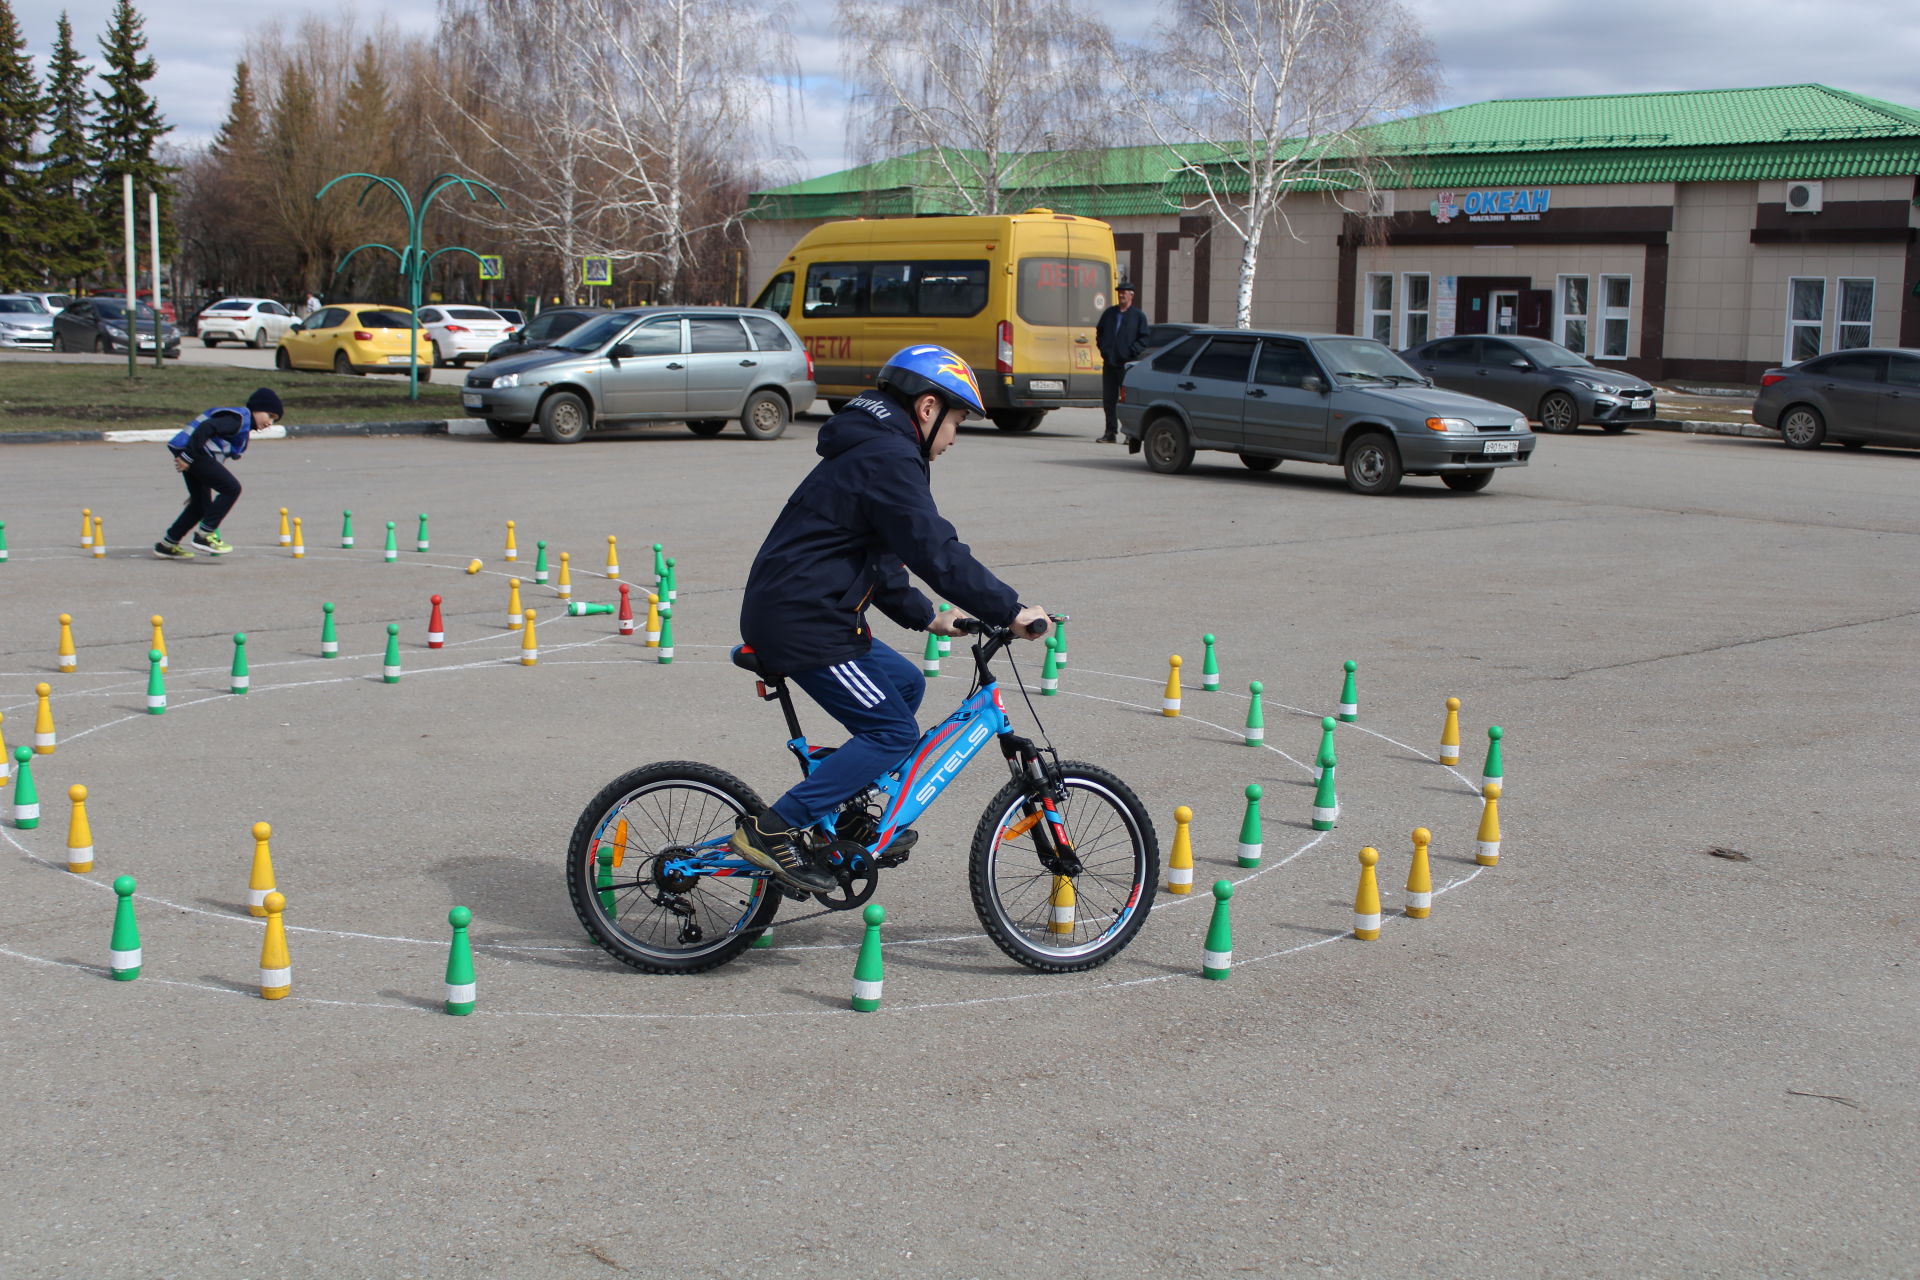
[414,260]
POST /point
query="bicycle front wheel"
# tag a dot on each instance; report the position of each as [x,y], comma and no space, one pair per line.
[642,914]
[1062,924]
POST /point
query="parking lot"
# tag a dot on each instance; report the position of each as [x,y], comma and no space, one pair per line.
[1669,1034]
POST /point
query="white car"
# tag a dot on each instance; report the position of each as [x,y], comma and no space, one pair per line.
[462,334]
[258,322]
[25,322]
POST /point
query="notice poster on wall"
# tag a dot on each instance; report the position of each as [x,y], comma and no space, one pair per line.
[1444,303]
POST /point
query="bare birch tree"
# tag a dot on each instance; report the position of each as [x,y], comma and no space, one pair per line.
[1258,98]
[1003,98]
[604,123]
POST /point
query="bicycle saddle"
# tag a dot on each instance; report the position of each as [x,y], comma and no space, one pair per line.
[745,658]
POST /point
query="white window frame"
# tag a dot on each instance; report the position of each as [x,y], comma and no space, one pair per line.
[1408,311]
[1561,315]
[1609,314]
[1374,314]
[1841,324]
[1818,325]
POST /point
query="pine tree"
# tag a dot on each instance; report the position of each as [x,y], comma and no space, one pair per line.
[127,129]
[20,198]
[69,239]
[240,136]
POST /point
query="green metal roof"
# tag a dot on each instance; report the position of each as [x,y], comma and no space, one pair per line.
[1707,135]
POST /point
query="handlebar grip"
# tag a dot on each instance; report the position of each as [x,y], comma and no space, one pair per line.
[1039,626]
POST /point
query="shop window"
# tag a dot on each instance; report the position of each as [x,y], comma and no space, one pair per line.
[1616,317]
[1380,308]
[1806,316]
[1415,308]
[1854,325]
[1571,317]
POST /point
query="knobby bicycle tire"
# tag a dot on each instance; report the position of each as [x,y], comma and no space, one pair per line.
[1020,904]
[674,802]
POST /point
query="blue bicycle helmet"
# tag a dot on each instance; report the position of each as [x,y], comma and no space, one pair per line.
[928,370]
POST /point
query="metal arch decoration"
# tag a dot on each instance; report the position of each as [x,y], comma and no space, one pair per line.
[413,259]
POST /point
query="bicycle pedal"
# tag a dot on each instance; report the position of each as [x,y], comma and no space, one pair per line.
[898,851]
[796,895]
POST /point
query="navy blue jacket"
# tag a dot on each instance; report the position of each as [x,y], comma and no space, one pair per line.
[215,434]
[1121,335]
[863,516]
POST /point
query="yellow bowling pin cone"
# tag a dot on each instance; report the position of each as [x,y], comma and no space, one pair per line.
[44,738]
[159,640]
[1366,902]
[1488,854]
[1450,734]
[79,833]
[529,645]
[515,614]
[1420,876]
[1170,701]
[260,882]
[276,966]
[1180,861]
[69,660]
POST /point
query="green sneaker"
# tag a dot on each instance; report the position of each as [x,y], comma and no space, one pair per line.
[212,541]
[171,551]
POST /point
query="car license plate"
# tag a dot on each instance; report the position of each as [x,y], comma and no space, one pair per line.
[472,401]
[1501,446]
[1048,384]
[1639,404]
[399,359]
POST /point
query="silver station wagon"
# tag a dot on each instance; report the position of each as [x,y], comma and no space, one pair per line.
[704,366]
[1313,397]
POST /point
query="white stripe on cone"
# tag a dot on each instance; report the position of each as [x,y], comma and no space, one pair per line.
[1049,684]
[666,651]
[1366,922]
[1251,852]
[258,897]
[1257,734]
[460,993]
[1349,709]
[1489,848]
[124,960]
[25,812]
[70,662]
[99,551]
[1169,704]
[276,979]
[1219,960]
[43,740]
[1325,815]
[653,639]
[1419,901]
[1485,778]
[421,545]
[80,855]
[242,682]
[326,646]
[391,673]
[347,541]
[1179,875]
[866,990]
[436,638]
[1210,683]
[156,700]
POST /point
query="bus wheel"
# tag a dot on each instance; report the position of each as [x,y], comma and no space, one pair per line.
[1016,419]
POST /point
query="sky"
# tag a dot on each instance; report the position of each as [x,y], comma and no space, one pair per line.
[1512,49]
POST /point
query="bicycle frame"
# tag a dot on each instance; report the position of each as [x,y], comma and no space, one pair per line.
[910,787]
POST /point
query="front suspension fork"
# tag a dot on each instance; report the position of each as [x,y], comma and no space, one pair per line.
[1044,805]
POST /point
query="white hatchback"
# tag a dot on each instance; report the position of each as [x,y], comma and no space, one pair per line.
[258,322]
[462,334]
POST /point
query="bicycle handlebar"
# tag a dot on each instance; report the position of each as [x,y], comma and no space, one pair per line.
[975,627]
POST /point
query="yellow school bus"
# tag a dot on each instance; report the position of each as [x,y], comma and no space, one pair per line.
[1016,296]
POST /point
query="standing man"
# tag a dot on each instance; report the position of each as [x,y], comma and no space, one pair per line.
[1121,335]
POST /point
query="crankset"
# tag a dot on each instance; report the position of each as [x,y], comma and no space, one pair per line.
[854,868]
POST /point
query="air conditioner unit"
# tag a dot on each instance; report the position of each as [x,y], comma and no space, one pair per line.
[1804,197]
[1380,204]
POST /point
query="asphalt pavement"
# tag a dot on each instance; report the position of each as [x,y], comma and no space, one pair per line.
[1670,1034]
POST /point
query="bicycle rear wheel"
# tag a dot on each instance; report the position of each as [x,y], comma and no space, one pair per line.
[655,921]
[1053,923]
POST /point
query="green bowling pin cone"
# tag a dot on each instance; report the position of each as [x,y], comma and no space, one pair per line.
[1250,844]
[1219,959]
[390,668]
[124,946]
[1349,697]
[26,797]
[1256,715]
[460,964]
[156,684]
[241,681]
[867,975]
[1210,668]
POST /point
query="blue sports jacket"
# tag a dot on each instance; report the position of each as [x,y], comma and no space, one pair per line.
[863,516]
[215,434]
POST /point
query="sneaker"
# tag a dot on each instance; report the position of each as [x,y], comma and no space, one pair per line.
[766,842]
[1108,440]
[171,550]
[212,541]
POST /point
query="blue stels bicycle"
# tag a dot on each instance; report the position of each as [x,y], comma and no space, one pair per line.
[1063,868]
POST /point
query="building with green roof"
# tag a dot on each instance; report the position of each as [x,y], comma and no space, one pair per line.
[1702,235]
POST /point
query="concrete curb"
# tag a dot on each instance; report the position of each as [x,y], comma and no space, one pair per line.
[156,435]
[1749,429]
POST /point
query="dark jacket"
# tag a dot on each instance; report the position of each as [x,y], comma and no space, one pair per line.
[863,516]
[216,434]
[1121,335]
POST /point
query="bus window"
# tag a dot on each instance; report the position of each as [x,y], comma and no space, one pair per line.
[777,296]
[889,289]
[833,289]
[1063,291]
[951,288]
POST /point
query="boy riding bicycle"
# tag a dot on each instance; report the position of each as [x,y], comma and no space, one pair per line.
[863,516]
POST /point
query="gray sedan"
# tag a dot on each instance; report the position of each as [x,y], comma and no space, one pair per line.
[698,365]
[1853,398]
[25,322]
[1541,379]
[1316,398]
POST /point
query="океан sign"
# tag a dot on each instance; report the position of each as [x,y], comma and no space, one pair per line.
[1492,206]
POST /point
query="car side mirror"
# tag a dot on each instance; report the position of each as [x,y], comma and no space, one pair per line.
[1522,364]
[1311,383]
[622,351]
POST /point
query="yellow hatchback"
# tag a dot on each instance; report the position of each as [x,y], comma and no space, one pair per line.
[356,337]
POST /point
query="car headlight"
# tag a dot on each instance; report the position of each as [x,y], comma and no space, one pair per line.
[113,332]
[506,380]
[1521,424]
[1449,424]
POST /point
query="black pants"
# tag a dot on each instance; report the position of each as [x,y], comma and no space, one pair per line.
[1110,376]
[211,493]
